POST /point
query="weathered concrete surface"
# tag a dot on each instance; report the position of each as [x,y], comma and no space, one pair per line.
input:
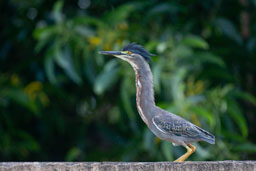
[129,166]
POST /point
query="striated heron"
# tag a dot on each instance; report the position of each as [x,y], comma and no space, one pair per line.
[165,125]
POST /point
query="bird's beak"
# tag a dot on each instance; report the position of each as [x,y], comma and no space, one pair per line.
[114,53]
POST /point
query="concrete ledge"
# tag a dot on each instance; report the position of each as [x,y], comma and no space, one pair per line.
[129,166]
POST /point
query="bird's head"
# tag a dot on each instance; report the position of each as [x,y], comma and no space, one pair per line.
[131,53]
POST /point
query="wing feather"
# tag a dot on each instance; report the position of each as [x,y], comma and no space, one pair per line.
[175,126]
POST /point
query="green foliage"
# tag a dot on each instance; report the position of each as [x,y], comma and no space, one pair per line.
[61,100]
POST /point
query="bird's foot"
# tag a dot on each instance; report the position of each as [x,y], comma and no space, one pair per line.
[191,149]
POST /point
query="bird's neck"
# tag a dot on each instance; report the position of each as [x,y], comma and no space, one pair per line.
[144,91]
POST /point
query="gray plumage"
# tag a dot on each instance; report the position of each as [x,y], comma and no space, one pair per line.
[180,131]
[163,124]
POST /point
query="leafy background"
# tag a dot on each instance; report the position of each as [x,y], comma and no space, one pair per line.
[62,101]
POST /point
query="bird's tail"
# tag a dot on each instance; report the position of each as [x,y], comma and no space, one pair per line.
[206,136]
[209,140]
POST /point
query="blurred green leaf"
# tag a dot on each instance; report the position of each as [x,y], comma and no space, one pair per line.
[246,147]
[196,42]
[164,8]
[64,60]
[57,14]
[88,20]
[119,14]
[21,98]
[107,77]
[203,153]
[149,138]
[125,96]
[246,96]
[72,154]
[28,142]
[200,111]
[156,71]
[166,149]
[84,31]
[210,58]
[44,32]
[49,69]
[228,28]
[236,113]
[177,86]
[181,51]
[43,35]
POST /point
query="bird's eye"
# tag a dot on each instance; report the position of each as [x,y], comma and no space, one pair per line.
[127,52]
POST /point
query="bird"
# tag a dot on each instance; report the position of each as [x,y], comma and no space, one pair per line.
[165,125]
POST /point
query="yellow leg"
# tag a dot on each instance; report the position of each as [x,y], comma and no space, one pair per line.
[192,147]
[190,150]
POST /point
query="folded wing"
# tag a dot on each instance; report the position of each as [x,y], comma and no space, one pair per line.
[174,125]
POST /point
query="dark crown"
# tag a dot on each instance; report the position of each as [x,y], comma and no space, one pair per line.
[138,49]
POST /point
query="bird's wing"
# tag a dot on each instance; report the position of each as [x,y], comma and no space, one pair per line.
[175,125]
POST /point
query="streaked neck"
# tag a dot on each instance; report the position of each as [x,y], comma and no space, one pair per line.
[144,91]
